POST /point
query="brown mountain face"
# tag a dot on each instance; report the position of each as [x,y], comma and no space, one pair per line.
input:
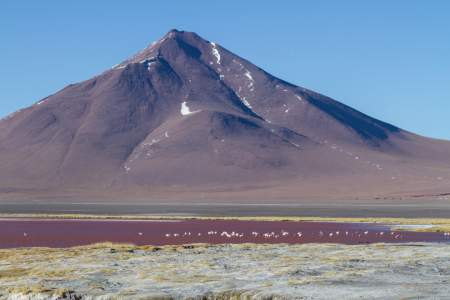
[186,118]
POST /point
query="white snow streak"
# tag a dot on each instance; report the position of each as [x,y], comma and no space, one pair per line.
[248,74]
[246,102]
[215,52]
[166,134]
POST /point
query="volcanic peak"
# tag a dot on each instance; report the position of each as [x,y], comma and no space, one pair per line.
[185,114]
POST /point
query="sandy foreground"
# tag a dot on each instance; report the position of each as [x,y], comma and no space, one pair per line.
[228,271]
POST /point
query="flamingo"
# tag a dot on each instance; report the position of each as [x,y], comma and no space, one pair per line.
[24,234]
[331,234]
[140,233]
[346,232]
[168,235]
[337,232]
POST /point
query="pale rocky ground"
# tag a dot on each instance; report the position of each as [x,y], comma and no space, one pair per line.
[229,271]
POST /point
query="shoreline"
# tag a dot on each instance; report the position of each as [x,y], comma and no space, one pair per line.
[424,221]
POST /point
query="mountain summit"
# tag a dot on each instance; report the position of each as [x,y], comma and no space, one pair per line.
[185,118]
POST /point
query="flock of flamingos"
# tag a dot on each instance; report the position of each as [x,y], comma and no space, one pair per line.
[285,234]
[282,234]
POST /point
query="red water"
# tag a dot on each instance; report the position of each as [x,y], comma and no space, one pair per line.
[59,233]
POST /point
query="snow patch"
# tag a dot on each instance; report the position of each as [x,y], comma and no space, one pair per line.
[215,52]
[40,102]
[152,142]
[248,74]
[185,110]
[246,102]
[299,98]
[149,62]
[294,144]
[167,135]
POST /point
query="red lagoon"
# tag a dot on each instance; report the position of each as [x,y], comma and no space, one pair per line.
[61,233]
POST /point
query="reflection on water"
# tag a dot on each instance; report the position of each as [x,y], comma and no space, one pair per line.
[54,232]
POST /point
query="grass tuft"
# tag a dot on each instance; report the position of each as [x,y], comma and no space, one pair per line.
[62,292]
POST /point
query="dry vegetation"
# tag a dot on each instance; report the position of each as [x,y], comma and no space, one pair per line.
[442,228]
[202,269]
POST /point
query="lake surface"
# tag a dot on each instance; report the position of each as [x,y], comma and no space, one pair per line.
[61,233]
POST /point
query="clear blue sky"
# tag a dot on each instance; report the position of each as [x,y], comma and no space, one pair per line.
[388,59]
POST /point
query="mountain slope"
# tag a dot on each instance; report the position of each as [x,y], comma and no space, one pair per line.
[185,117]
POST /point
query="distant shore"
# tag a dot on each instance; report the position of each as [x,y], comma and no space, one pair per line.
[283,208]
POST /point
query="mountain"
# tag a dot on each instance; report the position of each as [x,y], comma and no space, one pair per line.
[186,118]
